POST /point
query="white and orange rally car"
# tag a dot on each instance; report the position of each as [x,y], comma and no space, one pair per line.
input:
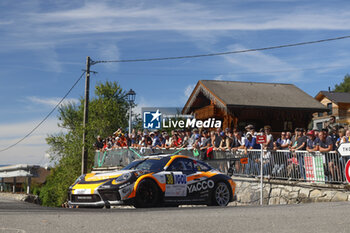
[160,180]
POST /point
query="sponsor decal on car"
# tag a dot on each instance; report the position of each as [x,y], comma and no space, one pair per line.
[203,185]
[175,178]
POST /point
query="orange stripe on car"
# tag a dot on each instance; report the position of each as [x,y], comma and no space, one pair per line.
[202,174]
[175,157]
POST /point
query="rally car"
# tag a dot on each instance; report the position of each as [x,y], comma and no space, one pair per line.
[161,180]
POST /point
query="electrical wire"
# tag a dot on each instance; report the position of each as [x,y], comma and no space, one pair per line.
[236,73]
[223,53]
[47,116]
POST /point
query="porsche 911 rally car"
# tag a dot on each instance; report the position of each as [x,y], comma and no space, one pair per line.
[161,180]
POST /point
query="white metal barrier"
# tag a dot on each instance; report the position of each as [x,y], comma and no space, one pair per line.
[313,167]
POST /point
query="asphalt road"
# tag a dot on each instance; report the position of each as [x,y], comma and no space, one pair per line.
[16,216]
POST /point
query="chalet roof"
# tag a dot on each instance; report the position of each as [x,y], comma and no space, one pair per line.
[337,97]
[253,94]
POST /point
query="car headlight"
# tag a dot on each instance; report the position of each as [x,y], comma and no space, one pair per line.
[123,177]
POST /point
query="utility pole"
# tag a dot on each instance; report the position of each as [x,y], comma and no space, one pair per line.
[84,156]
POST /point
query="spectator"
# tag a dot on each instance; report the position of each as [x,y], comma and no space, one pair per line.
[186,143]
[312,141]
[269,138]
[167,141]
[332,126]
[225,143]
[174,141]
[156,143]
[300,140]
[251,129]
[341,138]
[98,144]
[206,146]
[280,158]
[325,145]
[217,139]
[250,142]
[283,142]
[122,141]
[237,142]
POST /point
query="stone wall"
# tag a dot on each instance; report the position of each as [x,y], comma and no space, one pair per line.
[277,192]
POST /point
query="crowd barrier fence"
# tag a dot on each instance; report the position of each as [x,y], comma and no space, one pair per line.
[314,167]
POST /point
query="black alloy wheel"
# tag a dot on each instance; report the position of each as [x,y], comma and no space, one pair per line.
[147,194]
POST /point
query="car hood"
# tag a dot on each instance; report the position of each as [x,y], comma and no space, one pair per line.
[105,176]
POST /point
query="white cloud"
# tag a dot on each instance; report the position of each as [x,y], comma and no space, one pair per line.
[260,62]
[53,101]
[32,149]
[104,17]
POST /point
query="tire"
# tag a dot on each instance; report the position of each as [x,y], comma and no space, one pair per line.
[221,194]
[147,194]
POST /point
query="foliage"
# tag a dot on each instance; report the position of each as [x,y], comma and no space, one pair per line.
[107,112]
[344,86]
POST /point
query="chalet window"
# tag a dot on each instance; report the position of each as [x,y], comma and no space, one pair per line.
[329,106]
[320,114]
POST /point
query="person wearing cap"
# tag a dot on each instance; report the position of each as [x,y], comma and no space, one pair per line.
[311,141]
[251,129]
[250,142]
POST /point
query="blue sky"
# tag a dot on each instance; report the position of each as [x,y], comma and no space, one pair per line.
[44,44]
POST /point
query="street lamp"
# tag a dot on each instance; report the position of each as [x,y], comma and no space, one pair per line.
[131,99]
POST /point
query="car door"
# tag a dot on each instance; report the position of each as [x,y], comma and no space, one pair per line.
[176,179]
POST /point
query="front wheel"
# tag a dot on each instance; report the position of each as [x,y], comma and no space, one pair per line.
[147,194]
[221,195]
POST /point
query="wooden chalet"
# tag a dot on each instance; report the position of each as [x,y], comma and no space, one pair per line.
[237,104]
[338,105]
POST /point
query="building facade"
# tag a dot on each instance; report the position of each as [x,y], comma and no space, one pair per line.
[237,104]
[337,104]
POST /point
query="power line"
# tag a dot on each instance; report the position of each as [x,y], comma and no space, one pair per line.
[237,73]
[223,53]
[47,116]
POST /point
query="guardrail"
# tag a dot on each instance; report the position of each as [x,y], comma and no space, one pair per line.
[312,167]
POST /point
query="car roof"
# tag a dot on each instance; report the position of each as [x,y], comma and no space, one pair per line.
[163,156]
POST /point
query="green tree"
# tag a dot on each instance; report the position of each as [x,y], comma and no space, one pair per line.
[343,86]
[107,112]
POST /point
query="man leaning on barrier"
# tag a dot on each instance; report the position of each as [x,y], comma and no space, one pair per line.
[206,146]
[331,165]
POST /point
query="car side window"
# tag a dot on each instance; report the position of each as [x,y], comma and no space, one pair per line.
[182,164]
[200,166]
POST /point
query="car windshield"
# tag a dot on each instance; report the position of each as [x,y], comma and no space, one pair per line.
[155,164]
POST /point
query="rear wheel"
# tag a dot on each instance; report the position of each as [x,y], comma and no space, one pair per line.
[221,195]
[147,194]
